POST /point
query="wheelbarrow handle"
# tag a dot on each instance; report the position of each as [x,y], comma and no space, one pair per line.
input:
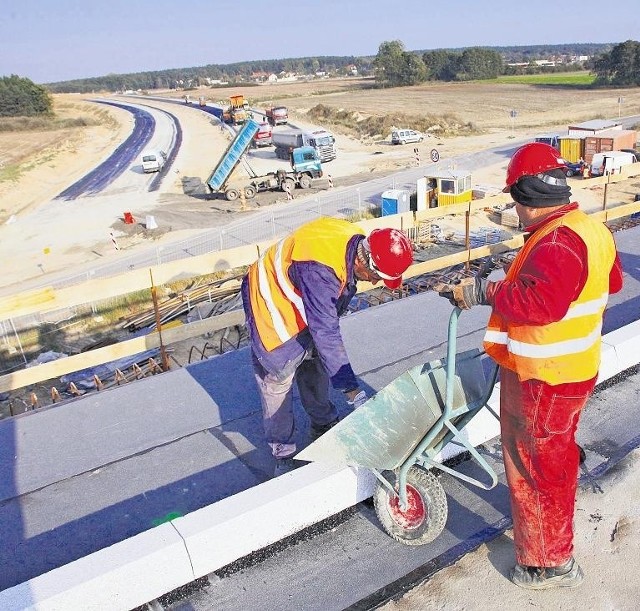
[451,358]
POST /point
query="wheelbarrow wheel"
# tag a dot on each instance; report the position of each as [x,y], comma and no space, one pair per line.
[425,515]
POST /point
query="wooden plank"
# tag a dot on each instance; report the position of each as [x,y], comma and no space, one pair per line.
[49,299]
[60,367]
[55,369]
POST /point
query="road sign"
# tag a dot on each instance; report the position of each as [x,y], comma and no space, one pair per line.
[435,156]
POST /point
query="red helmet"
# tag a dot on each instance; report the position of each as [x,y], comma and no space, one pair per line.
[390,255]
[531,159]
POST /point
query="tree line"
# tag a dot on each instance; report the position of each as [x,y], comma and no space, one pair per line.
[394,66]
[616,66]
[21,97]
[191,78]
[244,72]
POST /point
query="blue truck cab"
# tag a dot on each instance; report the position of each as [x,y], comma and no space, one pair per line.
[306,159]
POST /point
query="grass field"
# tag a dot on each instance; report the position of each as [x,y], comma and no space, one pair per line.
[560,79]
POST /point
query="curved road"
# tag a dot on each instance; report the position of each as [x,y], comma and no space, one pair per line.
[153,128]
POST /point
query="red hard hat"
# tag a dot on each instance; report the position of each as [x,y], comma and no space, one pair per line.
[391,254]
[531,159]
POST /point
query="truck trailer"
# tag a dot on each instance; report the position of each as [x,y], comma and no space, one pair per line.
[322,141]
[305,163]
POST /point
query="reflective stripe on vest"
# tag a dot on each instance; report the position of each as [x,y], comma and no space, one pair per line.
[276,304]
[285,286]
[544,351]
[567,350]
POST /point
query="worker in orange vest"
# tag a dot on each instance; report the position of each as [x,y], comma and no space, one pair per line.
[545,333]
[293,297]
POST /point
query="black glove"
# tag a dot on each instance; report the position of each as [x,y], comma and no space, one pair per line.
[465,293]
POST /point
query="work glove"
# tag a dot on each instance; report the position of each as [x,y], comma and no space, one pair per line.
[465,293]
[358,400]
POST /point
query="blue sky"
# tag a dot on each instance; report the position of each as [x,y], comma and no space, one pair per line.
[53,40]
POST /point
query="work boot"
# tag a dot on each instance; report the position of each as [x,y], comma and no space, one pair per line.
[568,575]
[284,465]
[318,430]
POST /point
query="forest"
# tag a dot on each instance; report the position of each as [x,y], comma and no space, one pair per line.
[614,65]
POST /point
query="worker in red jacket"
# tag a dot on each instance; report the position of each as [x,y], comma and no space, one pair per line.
[293,297]
[545,333]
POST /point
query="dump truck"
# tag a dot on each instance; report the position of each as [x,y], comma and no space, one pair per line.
[277,115]
[263,135]
[236,113]
[305,163]
[321,140]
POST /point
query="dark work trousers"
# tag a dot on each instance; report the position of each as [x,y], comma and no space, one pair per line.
[538,422]
[276,395]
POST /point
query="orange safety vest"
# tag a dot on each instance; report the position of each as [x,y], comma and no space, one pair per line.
[567,350]
[276,303]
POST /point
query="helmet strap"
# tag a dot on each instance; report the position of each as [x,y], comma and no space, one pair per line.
[363,252]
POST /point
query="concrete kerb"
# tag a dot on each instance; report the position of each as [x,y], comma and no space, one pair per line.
[150,564]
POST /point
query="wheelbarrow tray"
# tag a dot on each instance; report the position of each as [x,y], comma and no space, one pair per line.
[385,431]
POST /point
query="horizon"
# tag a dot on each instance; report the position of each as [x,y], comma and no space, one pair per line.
[568,44]
[70,39]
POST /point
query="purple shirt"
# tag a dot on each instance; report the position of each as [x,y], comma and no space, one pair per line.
[324,303]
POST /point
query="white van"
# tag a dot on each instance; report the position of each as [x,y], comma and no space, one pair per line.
[153,161]
[402,136]
[610,162]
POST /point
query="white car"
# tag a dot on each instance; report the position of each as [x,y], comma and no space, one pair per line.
[153,161]
[402,136]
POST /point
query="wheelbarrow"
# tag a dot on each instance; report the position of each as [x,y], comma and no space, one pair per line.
[399,432]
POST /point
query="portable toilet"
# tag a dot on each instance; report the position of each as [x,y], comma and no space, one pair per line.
[395,201]
[443,188]
[572,148]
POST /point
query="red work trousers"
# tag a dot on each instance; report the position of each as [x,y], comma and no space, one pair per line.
[538,422]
